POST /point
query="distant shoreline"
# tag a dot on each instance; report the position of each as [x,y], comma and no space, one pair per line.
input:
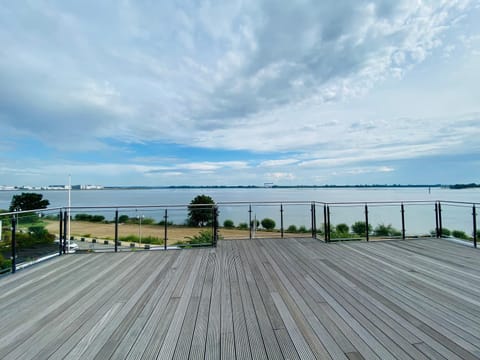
[173,187]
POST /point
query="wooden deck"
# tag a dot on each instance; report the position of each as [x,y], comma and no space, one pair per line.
[249,299]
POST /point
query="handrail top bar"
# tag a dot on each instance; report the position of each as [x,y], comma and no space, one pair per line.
[31,211]
[240,203]
[142,206]
[270,202]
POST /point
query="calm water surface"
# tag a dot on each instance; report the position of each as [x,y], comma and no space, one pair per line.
[418,218]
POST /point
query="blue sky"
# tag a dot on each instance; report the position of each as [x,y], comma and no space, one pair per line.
[239,92]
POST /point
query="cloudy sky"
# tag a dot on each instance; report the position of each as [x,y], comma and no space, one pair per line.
[239,92]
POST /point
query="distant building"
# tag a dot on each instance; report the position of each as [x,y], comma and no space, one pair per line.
[268,185]
[57,187]
[91,187]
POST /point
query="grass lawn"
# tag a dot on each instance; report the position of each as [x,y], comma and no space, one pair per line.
[175,233]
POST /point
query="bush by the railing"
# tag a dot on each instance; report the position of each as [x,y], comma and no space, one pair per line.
[446,232]
[5,263]
[303,229]
[90,218]
[339,231]
[268,224]
[342,228]
[6,235]
[144,220]
[460,235]
[162,223]
[255,223]
[28,219]
[203,237]
[386,230]
[359,228]
[6,220]
[36,235]
[145,239]
[292,229]
[243,226]
[228,224]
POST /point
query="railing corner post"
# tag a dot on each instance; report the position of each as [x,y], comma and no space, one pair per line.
[165,230]
[440,226]
[60,233]
[215,225]
[474,213]
[328,225]
[281,220]
[250,224]
[366,223]
[14,244]
[313,221]
[116,230]
[65,222]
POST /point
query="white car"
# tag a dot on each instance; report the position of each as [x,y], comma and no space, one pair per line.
[73,246]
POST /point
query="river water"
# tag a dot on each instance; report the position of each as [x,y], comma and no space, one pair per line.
[419,218]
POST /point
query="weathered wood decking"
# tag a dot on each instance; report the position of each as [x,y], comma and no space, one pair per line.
[259,299]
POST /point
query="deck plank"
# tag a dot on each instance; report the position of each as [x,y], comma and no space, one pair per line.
[199,338]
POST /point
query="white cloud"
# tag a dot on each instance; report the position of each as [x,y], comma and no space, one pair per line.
[278,163]
[299,78]
[236,61]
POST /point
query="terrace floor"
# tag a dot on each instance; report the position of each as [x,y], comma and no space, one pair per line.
[249,299]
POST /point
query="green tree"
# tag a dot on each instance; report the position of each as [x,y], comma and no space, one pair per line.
[228,224]
[123,218]
[200,211]
[28,201]
[268,224]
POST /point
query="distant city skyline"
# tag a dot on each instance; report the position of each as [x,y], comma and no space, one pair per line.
[240,92]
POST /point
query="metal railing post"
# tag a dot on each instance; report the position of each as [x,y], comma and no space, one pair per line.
[281,220]
[165,217]
[474,213]
[440,227]
[437,229]
[65,216]
[314,225]
[325,222]
[366,222]
[14,244]
[250,220]
[116,230]
[215,226]
[402,209]
[328,224]
[60,233]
